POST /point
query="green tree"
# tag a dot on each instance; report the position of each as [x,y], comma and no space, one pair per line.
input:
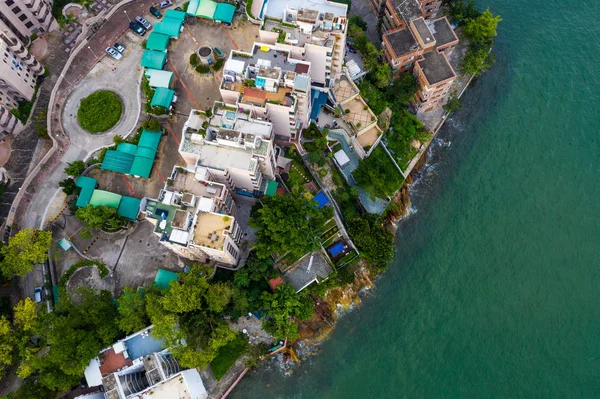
[356,20]
[282,306]
[8,341]
[378,175]
[241,278]
[476,61]
[98,218]
[288,224]
[483,28]
[453,104]
[381,75]
[403,89]
[75,168]
[218,296]
[25,315]
[132,311]
[460,12]
[373,241]
[24,250]
[68,186]
[185,296]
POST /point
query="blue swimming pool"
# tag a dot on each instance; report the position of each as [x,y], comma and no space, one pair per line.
[336,249]
[140,345]
[321,199]
[260,82]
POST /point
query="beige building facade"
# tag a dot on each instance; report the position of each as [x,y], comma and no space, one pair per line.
[27,17]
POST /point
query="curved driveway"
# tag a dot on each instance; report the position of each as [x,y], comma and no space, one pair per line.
[121,77]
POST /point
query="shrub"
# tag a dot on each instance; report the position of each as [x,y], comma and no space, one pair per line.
[99,111]
[194,59]
[202,68]
[218,65]
[68,186]
[152,124]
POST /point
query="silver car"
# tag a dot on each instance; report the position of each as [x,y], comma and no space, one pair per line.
[147,25]
[114,53]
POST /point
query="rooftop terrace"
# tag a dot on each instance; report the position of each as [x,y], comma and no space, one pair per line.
[442,31]
[436,68]
[210,229]
[270,58]
[276,8]
[301,275]
[423,31]
[409,9]
[186,182]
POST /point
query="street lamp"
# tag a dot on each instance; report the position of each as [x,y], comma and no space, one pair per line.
[89,48]
[125,11]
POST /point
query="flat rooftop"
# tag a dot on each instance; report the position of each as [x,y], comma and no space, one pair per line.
[261,97]
[344,89]
[270,58]
[221,157]
[423,31]
[409,9]
[240,122]
[436,68]
[210,228]
[276,8]
[402,41]
[186,182]
[442,31]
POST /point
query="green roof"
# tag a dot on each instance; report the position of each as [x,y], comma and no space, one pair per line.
[224,12]
[87,185]
[105,198]
[163,278]
[157,41]
[162,97]
[153,59]
[159,78]
[145,152]
[192,7]
[127,148]
[141,166]
[169,26]
[206,9]
[129,207]
[175,14]
[117,161]
[150,139]
[271,188]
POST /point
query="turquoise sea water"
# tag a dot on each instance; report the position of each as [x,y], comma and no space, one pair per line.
[495,289]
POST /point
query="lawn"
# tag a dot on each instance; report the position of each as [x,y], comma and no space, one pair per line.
[227,356]
[299,173]
[99,111]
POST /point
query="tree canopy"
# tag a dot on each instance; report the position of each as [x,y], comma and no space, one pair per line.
[373,241]
[378,175]
[482,28]
[288,224]
[75,168]
[281,307]
[24,250]
[132,314]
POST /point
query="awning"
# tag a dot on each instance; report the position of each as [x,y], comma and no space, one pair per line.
[87,186]
[192,7]
[141,167]
[176,14]
[206,9]
[157,41]
[150,139]
[117,161]
[224,12]
[159,78]
[145,152]
[162,97]
[127,148]
[105,198]
[271,188]
[341,158]
[153,59]
[169,26]
[129,207]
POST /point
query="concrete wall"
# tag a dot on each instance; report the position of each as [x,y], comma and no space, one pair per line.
[280,118]
[317,56]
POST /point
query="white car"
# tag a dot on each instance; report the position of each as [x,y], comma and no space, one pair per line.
[147,25]
[114,53]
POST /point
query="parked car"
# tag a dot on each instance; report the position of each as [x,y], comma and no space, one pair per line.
[166,3]
[114,53]
[147,25]
[137,28]
[37,294]
[154,11]
[119,47]
[218,52]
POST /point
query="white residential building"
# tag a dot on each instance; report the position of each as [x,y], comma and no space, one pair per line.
[231,148]
[194,216]
[312,31]
[138,367]
[272,86]
[26,17]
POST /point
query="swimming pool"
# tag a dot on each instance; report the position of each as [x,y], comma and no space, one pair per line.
[143,345]
[336,249]
[260,82]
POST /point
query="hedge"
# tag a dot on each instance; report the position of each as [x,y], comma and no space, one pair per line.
[101,268]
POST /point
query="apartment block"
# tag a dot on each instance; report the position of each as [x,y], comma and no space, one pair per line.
[314,32]
[26,17]
[396,14]
[422,47]
[8,122]
[232,147]
[270,85]
[194,217]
